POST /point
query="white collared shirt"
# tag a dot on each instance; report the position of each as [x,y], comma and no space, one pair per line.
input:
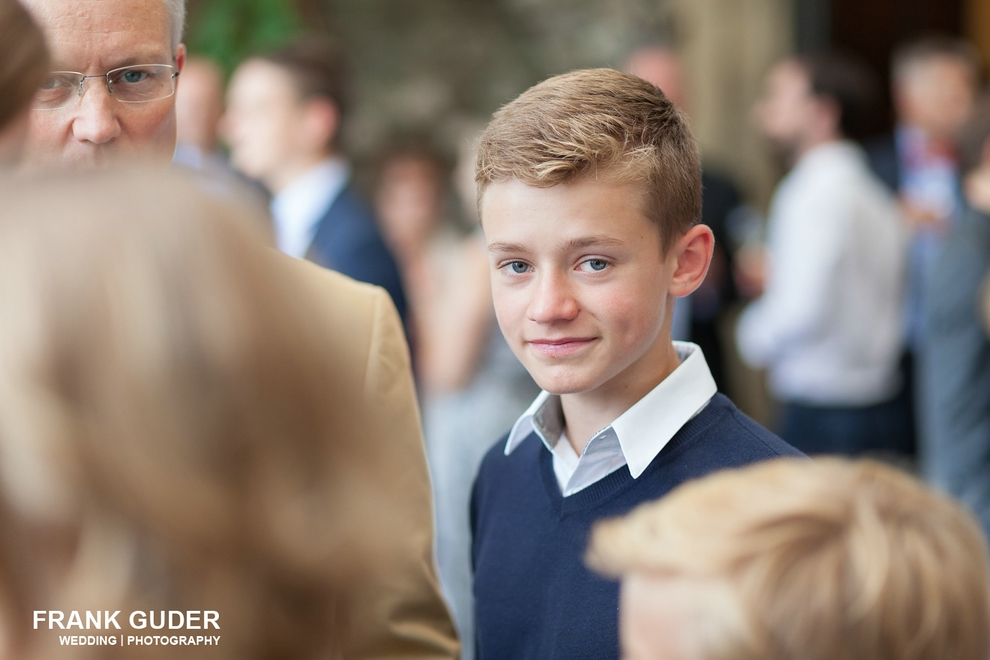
[635,437]
[297,210]
[828,325]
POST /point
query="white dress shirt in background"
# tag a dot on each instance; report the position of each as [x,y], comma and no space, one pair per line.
[297,210]
[829,324]
[634,438]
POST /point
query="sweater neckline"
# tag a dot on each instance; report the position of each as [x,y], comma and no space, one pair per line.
[619,480]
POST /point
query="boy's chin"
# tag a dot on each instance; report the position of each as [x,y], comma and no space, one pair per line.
[565,381]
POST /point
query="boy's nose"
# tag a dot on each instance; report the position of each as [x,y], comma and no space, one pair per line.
[553,300]
[96,118]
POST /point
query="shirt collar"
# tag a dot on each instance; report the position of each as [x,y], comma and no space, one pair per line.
[300,206]
[645,428]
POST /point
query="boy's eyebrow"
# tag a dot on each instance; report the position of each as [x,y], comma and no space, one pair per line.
[580,243]
[597,240]
[506,247]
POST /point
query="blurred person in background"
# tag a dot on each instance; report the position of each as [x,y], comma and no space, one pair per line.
[198,108]
[472,388]
[399,611]
[199,105]
[933,84]
[701,311]
[23,67]
[828,324]
[284,114]
[799,560]
[165,442]
[955,360]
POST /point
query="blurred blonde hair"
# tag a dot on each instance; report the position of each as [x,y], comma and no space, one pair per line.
[598,123]
[825,560]
[170,424]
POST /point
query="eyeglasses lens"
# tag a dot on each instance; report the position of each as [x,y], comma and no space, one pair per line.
[137,84]
[129,84]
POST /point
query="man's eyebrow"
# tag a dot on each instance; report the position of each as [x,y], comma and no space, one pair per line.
[150,57]
[147,57]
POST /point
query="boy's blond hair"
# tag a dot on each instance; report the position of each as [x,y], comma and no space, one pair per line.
[598,123]
[824,560]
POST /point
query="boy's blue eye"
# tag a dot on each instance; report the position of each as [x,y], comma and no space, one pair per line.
[518,267]
[597,264]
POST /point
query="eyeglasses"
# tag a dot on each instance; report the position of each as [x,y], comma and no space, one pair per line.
[128,84]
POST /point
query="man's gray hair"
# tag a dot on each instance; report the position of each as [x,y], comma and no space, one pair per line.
[177,20]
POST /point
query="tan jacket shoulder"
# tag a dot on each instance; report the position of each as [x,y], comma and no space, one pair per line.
[400,612]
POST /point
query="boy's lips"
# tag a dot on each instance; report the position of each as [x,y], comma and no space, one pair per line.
[561,347]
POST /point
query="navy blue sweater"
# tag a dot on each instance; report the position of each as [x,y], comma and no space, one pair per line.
[534,596]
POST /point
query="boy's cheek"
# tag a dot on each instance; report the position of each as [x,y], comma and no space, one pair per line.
[510,311]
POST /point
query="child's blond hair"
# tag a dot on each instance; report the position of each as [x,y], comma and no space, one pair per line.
[824,560]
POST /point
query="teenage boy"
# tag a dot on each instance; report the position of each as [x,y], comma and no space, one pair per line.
[590,197]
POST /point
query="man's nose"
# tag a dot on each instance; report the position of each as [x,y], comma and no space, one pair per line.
[553,299]
[96,116]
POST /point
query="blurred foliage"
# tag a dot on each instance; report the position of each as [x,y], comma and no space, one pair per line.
[227,31]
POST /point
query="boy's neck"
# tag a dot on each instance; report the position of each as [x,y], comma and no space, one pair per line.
[587,413]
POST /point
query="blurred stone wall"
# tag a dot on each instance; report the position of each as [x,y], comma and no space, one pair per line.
[443,66]
[448,64]
[729,46]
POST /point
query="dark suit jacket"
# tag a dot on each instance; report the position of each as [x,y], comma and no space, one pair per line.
[347,241]
[886,164]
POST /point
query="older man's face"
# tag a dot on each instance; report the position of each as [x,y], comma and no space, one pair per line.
[93,37]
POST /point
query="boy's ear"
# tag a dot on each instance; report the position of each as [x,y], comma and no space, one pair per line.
[693,255]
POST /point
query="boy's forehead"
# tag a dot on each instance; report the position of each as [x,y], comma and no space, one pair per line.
[577,213]
[574,197]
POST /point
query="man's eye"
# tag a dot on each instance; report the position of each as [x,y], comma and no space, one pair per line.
[518,267]
[54,82]
[134,76]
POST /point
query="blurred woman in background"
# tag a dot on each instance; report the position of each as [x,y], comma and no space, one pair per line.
[472,388]
[165,438]
[23,67]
